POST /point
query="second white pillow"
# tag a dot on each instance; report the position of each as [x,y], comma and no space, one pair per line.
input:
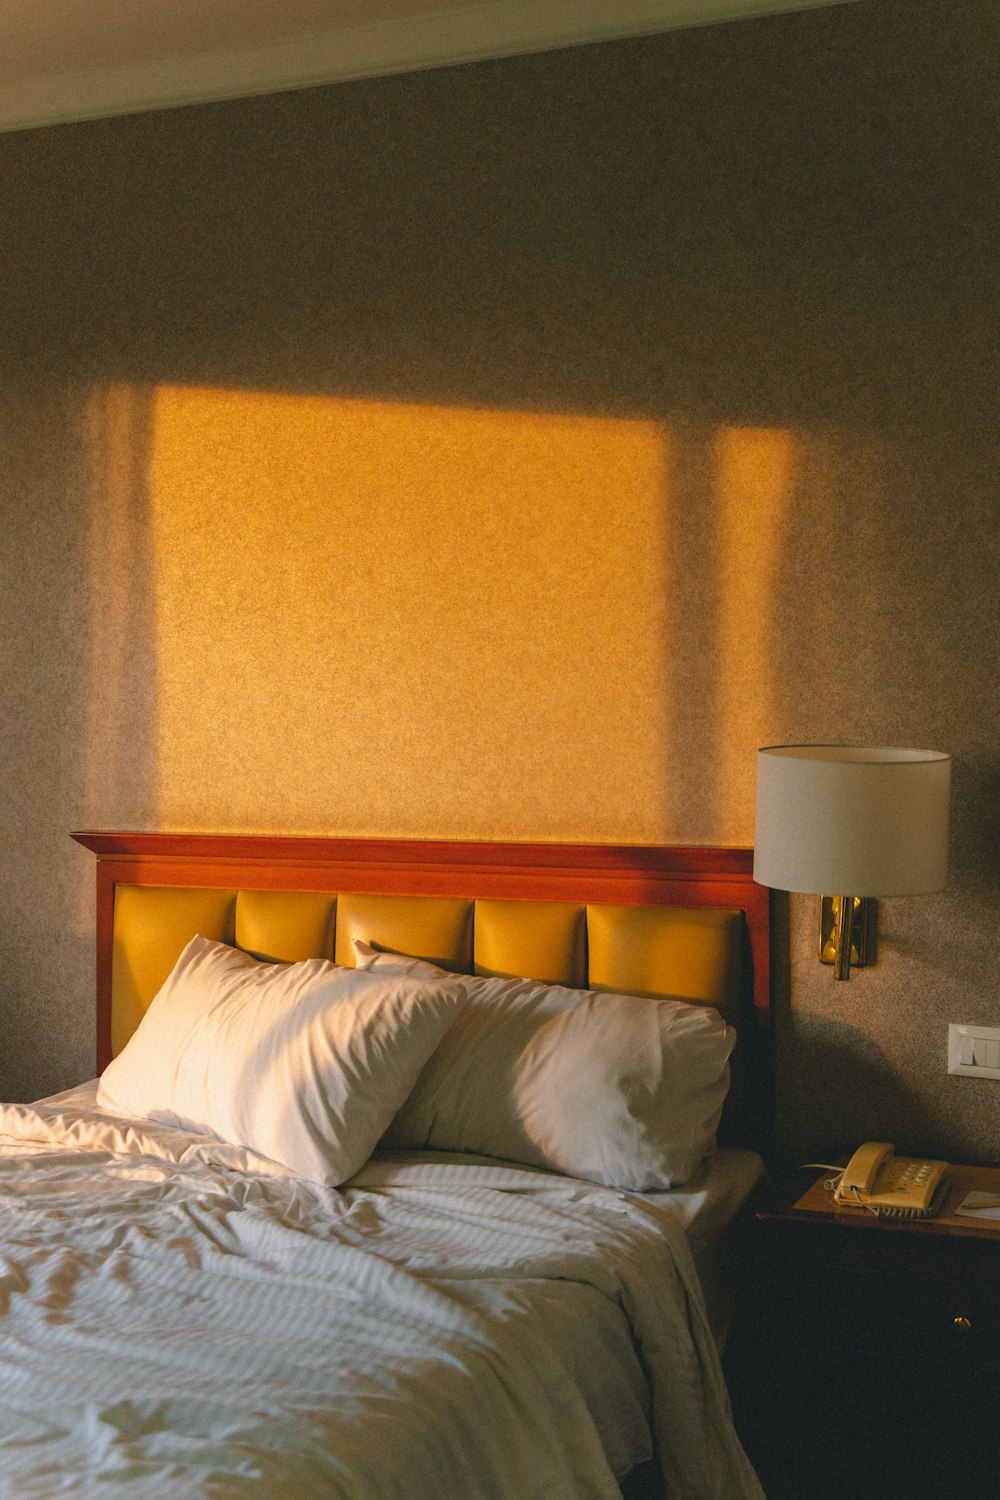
[613,1088]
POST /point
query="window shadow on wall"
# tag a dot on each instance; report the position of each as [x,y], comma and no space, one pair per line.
[78,668]
[120,780]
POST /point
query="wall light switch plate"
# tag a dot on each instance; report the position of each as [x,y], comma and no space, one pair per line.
[974,1051]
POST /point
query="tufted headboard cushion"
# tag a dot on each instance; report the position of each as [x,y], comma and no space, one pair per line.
[689,953]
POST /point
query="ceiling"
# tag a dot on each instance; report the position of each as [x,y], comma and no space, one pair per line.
[66,60]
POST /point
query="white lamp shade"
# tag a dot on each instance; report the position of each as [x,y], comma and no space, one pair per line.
[845,820]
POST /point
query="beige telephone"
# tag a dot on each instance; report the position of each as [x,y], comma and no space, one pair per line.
[894,1186]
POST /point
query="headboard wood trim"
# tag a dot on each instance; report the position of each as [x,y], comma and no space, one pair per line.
[638,875]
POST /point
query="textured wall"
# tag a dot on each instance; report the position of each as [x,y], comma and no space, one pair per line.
[507,451]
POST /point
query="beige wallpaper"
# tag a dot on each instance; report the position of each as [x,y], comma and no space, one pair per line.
[507,451]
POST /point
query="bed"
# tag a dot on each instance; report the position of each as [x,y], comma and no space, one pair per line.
[375,1195]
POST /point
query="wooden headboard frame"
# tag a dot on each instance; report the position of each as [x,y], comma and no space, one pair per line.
[636,875]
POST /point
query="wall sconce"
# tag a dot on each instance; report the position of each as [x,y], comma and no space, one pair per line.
[851,819]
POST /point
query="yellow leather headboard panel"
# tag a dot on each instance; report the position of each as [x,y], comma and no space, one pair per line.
[438,928]
[693,953]
[153,925]
[285,926]
[543,940]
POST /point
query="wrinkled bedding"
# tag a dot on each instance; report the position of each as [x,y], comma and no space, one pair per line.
[180,1319]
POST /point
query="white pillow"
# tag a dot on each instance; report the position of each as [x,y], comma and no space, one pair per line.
[304,1063]
[614,1088]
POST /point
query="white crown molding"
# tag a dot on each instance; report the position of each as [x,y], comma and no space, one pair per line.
[437,39]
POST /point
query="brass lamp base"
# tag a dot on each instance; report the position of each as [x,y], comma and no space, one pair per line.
[862,933]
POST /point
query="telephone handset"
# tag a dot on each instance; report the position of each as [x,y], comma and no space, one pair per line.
[893,1186]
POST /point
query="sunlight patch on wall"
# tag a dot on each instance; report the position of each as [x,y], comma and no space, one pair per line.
[348,616]
[404,619]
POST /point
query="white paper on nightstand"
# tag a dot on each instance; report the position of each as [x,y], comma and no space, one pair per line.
[980,1206]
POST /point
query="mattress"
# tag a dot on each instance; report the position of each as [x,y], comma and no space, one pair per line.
[194,1321]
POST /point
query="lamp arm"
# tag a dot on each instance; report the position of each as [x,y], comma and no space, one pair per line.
[845,922]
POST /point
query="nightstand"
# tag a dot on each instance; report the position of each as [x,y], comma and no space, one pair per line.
[865,1360]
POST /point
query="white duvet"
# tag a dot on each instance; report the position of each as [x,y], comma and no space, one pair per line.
[178,1319]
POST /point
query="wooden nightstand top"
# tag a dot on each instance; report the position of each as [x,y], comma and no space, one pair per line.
[815,1204]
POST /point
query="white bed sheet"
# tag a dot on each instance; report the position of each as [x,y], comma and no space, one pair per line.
[591,1334]
[191,1320]
[706,1207]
